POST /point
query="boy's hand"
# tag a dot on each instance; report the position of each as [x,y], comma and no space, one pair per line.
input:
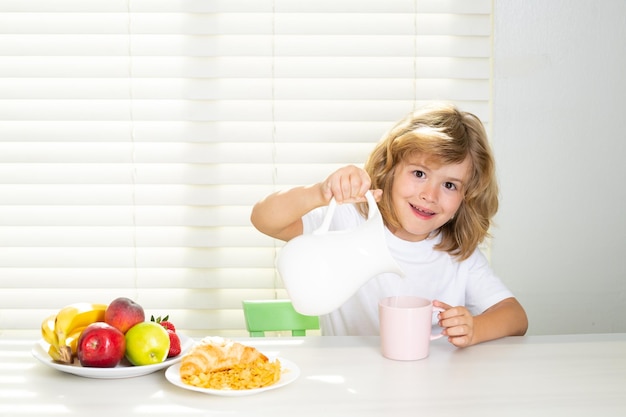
[457,323]
[348,185]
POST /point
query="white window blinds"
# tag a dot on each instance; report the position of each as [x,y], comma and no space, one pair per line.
[136,135]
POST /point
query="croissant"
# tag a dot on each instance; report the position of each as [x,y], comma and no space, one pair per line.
[218,363]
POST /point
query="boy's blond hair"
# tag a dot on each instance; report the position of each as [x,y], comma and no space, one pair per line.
[446,135]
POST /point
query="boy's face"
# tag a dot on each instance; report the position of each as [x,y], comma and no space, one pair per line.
[426,195]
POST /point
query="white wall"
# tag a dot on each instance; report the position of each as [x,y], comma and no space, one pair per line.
[560,141]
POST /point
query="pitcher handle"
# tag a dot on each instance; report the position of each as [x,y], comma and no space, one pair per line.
[372,206]
[372,211]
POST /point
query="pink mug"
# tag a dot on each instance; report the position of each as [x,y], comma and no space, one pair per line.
[405,327]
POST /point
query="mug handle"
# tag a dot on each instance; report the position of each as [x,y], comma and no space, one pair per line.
[372,211]
[439,335]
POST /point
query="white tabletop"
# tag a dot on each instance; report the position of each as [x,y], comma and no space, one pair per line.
[577,375]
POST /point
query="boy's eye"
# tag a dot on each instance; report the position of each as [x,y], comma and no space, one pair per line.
[418,173]
[450,185]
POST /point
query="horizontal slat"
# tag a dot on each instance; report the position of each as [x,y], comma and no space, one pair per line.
[380,24]
[226,24]
[233,6]
[319,67]
[175,174]
[207,110]
[426,46]
[161,299]
[120,154]
[208,132]
[83,215]
[243,89]
[65,6]
[258,45]
[148,237]
[127,280]
[100,194]
[129,257]
[172,131]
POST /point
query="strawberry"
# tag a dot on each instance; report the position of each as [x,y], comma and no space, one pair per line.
[168,325]
[171,332]
[174,344]
[164,322]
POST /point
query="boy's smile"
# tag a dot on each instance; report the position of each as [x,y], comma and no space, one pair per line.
[422,212]
[426,195]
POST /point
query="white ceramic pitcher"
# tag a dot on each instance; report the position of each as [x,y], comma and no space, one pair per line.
[323,269]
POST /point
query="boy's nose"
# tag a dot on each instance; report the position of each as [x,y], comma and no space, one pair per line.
[428,193]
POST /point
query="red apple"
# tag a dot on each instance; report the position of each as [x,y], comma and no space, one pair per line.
[101,345]
[123,313]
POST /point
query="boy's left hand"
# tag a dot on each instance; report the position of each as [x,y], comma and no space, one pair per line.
[457,323]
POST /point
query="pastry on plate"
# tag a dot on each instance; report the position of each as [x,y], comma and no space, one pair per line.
[218,363]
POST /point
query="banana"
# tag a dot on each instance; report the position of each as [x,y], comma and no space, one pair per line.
[47,330]
[77,315]
[72,339]
[53,351]
[72,342]
[68,324]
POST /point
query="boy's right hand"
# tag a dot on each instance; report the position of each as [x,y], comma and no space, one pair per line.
[348,185]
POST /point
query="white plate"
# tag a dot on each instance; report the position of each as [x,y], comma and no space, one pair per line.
[289,373]
[123,370]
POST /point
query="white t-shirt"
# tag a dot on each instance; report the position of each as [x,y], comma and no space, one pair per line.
[429,273]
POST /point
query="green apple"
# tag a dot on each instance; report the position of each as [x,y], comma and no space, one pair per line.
[147,343]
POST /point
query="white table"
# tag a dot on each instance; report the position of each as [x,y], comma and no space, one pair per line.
[577,375]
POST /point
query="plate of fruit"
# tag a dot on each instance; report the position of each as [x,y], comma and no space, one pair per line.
[109,341]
